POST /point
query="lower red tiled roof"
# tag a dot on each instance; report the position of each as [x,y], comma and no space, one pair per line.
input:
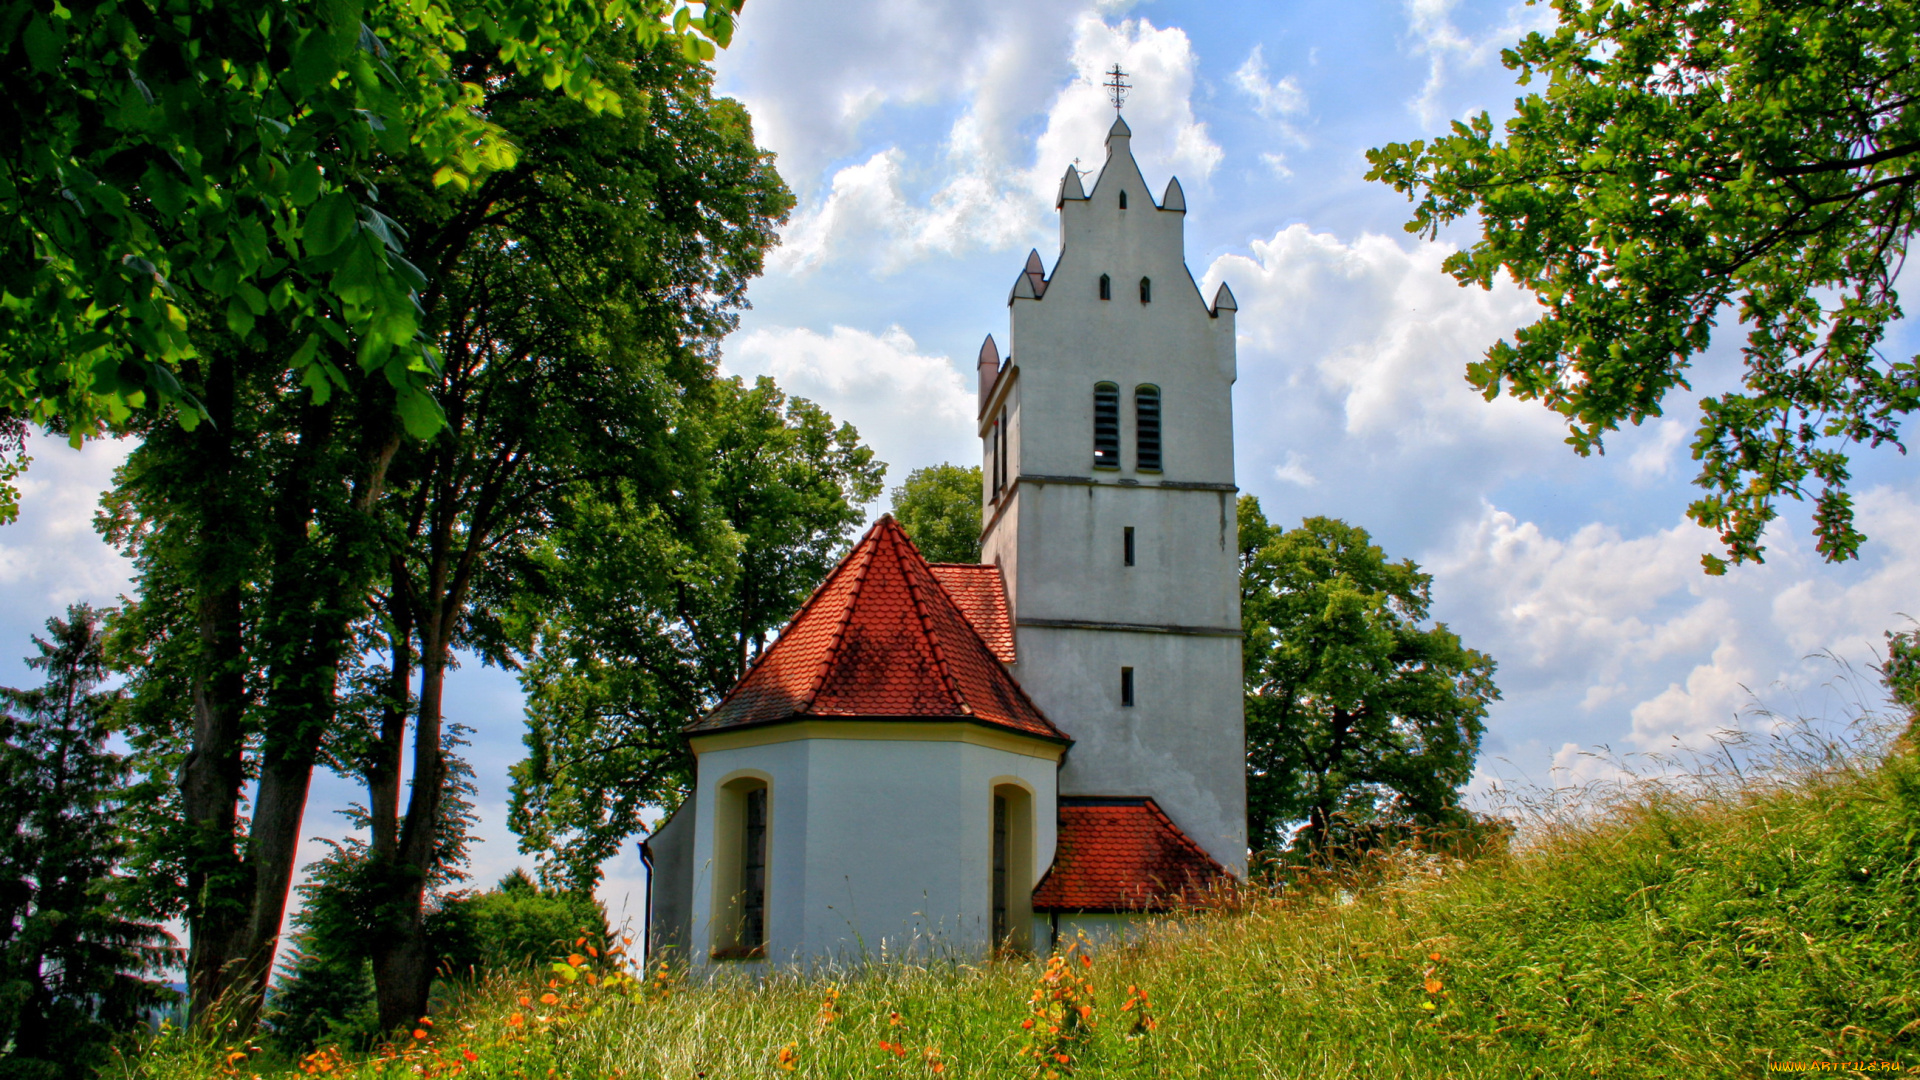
[880,639]
[981,595]
[1122,854]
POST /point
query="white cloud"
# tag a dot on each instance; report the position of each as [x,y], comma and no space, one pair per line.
[1271,98]
[1655,460]
[1295,471]
[989,189]
[1449,51]
[912,408]
[51,557]
[1277,164]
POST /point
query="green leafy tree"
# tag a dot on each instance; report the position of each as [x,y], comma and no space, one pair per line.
[575,303]
[186,165]
[76,966]
[1358,716]
[650,621]
[1687,164]
[514,925]
[939,507]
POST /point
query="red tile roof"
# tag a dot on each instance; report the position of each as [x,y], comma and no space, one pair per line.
[981,595]
[879,639]
[1122,854]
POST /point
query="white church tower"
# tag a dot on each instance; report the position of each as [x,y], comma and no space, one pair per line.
[1109,505]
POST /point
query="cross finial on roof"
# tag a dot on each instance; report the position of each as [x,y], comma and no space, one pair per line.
[1117,87]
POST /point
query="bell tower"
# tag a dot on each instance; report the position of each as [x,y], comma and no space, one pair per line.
[1109,504]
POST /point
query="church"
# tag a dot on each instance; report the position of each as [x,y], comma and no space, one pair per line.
[947,759]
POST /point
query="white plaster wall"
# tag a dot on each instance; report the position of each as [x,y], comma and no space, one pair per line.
[1183,741]
[875,846]
[670,886]
[1071,565]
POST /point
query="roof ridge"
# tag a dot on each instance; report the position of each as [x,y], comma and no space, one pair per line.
[926,622]
[825,667]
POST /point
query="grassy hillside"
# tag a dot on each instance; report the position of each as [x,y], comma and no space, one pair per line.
[1704,928]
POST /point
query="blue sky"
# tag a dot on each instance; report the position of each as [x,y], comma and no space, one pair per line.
[924,140]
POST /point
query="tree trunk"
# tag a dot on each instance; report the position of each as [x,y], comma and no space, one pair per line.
[212,775]
[403,965]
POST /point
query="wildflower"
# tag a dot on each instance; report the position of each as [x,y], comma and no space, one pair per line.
[789,1056]
[525,1001]
[1435,957]
[516,1020]
[469,1055]
[898,1050]
[1432,985]
[419,1033]
[549,998]
[575,960]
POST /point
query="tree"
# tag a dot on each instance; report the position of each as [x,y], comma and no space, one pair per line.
[574,302]
[648,622]
[1685,164]
[74,963]
[176,166]
[939,507]
[580,300]
[1357,716]
[514,925]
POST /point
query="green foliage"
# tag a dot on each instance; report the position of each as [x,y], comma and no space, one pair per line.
[192,166]
[74,964]
[1358,718]
[513,926]
[650,614]
[939,507]
[1687,162]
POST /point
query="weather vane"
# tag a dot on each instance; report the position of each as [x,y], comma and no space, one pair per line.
[1117,87]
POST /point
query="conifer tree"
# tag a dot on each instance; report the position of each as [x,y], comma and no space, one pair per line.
[74,964]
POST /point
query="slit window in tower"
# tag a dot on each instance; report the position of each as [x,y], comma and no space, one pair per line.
[1106,426]
[1146,291]
[1123,200]
[1126,687]
[753,872]
[1106,287]
[1146,427]
[1127,544]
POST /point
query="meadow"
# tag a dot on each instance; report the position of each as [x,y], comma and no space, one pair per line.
[1759,913]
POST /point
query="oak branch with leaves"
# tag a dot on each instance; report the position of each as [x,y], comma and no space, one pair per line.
[1685,165]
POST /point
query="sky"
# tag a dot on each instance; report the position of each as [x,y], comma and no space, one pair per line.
[924,139]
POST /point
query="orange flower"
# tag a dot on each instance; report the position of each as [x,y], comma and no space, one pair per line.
[419,1034]
[579,943]
[525,1001]
[469,1055]
[1086,1012]
[1433,985]
[575,960]
[516,1020]
[1085,960]
[1028,1024]
[789,1057]
[591,951]
[1435,957]
[549,999]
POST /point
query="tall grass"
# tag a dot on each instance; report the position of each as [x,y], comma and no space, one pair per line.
[1763,907]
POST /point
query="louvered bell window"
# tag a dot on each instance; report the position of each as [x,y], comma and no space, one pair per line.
[1146,421]
[1106,426]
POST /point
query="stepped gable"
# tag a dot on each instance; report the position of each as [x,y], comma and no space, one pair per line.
[1122,854]
[981,595]
[880,639]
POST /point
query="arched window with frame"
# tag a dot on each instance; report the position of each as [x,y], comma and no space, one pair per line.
[1106,425]
[739,917]
[1146,427]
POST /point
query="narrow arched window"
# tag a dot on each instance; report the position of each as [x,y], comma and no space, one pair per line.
[743,824]
[1106,287]
[1146,291]
[1106,426]
[1146,427]
[1123,200]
